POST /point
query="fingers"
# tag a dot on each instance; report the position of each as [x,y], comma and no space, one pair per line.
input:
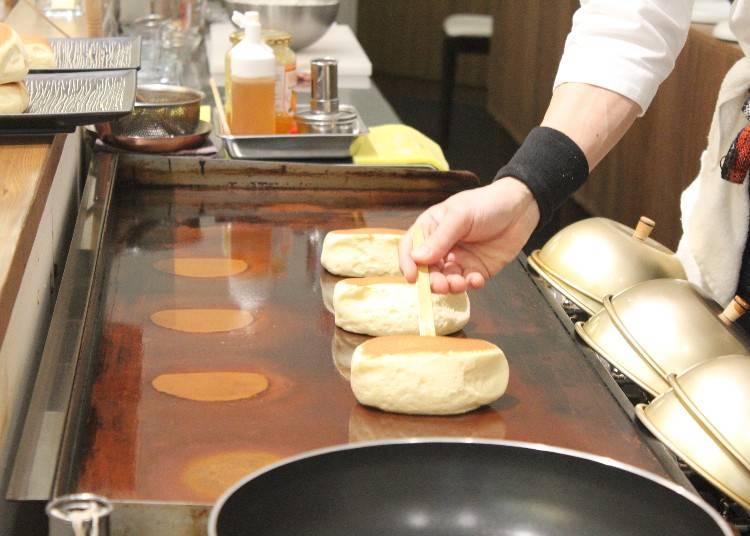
[405,262]
[447,228]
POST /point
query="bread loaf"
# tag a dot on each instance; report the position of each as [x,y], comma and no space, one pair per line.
[363,252]
[13,63]
[428,375]
[39,52]
[14,98]
[388,305]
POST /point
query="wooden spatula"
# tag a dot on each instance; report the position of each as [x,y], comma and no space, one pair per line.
[424,294]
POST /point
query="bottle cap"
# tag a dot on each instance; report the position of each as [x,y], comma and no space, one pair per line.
[251,58]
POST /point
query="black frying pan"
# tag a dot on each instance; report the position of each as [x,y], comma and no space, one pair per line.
[449,487]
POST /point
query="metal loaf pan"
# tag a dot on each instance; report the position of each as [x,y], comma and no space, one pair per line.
[94,54]
[60,102]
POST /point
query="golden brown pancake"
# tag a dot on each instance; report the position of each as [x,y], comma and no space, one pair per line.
[210,476]
[369,230]
[201,266]
[202,320]
[414,344]
[211,386]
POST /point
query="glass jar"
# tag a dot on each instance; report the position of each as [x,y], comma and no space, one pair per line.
[234,38]
[286,80]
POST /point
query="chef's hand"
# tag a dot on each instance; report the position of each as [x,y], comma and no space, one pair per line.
[471,236]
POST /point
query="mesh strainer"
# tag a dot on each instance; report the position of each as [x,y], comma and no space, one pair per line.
[160,111]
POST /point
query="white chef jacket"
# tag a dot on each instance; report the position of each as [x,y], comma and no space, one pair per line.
[630,47]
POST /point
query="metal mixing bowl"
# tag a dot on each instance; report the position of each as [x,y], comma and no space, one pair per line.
[660,327]
[160,111]
[595,257]
[305,20]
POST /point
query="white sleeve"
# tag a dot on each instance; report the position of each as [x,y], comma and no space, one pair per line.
[626,46]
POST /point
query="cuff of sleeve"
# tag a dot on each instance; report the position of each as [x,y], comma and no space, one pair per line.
[551,165]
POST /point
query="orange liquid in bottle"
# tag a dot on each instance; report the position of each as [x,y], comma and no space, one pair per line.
[253,106]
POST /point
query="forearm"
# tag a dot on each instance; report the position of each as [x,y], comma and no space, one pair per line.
[593,117]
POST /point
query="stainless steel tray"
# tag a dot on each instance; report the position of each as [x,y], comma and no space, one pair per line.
[95,54]
[292,146]
[61,101]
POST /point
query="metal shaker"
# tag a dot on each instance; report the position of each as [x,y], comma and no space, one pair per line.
[324,115]
[82,514]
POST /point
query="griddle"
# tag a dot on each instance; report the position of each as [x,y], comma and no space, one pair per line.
[105,430]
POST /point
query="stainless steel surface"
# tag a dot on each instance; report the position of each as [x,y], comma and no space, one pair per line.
[595,257]
[716,395]
[81,514]
[672,424]
[334,145]
[61,101]
[37,458]
[306,20]
[661,327]
[95,54]
[160,111]
[451,486]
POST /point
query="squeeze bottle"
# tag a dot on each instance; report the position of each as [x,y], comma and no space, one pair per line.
[253,67]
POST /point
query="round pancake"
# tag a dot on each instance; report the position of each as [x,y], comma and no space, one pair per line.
[210,476]
[202,320]
[211,386]
[201,267]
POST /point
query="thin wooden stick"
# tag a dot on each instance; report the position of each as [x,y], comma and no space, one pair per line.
[219,106]
[39,12]
[424,294]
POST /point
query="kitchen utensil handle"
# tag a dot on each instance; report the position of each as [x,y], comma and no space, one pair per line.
[219,106]
[736,308]
[644,228]
[424,294]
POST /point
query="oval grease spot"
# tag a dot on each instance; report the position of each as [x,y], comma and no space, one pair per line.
[202,320]
[211,386]
[210,476]
[201,267]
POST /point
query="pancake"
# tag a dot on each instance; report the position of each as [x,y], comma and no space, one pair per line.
[210,476]
[366,251]
[388,305]
[202,320]
[428,375]
[201,267]
[211,386]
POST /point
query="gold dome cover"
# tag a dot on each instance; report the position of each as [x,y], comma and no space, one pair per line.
[597,256]
[717,394]
[661,327]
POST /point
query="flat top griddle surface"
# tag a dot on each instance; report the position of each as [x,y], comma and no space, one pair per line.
[145,445]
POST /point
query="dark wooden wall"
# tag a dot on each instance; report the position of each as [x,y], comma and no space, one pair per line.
[404,37]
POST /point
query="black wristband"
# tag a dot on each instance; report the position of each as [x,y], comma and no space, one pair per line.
[551,165]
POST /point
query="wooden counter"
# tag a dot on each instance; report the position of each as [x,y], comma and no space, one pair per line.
[659,156]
